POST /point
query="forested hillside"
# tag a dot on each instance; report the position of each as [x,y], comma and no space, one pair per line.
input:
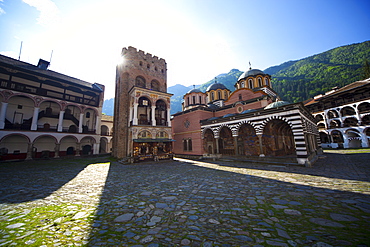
[295,81]
[299,80]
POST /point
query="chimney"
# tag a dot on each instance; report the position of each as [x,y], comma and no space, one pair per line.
[43,64]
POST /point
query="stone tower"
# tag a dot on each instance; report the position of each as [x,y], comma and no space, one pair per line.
[142,105]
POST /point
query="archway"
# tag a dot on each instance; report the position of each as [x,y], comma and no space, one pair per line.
[144,111]
[209,144]
[364,107]
[226,142]
[14,147]
[161,113]
[354,138]
[347,111]
[68,145]
[278,139]
[248,141]
[45,147]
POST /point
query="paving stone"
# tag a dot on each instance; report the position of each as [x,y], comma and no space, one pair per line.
[124,217]
[160,204]
[342,217]
[325,222]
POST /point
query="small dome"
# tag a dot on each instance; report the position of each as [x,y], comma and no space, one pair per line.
[277,104]
[216,86]
[248,111]
[195,90]
[251,72]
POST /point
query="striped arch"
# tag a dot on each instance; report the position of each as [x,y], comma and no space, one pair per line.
[245,122]
[205,129]
[220,127]
[265,122]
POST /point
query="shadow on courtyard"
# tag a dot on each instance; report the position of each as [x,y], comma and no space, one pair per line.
[25,181]
[331,165]
[163,203]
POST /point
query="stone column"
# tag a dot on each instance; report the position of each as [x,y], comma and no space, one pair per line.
[60,121]
[78,149]
[217,145]
[261,145]
[96,147]
[29,151]
[153,116]
[134,120]
[130,116]
[168,118]
[236,144]
[80,123]
[97,126]
[345,139]
[35,118]
[364,141]
[4,106]
[57,148]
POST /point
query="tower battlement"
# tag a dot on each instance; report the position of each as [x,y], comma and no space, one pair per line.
[132,53]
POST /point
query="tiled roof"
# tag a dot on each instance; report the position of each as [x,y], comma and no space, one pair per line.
[42,72]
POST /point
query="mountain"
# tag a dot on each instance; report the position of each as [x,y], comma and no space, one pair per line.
[294,81]
[108,107]
[300,80]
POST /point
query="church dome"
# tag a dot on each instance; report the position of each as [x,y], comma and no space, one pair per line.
[194,90]
[251,72]
[277,104]
[216,86]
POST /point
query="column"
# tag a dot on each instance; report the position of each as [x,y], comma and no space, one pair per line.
[97,126]
[35,118]
[236,145]
[60,121]
[154,123]
[134,120]
[168,118]
[80,123]
[364,141]
[78,149]
[29,151]
[4,106]
[345,139]
[57,148]
[217,145]
[261,145]
[130,116]
[96,148]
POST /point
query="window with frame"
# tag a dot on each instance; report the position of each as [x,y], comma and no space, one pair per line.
[250,83]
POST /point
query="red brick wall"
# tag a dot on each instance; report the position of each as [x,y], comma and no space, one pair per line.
[180,132]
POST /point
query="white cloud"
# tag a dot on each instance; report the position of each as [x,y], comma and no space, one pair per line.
[1,10]
[49,13]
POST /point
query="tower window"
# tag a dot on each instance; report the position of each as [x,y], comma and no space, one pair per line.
[240,97]
[194,100]
[259,82]
[219,95]
[200,99]
[266,81]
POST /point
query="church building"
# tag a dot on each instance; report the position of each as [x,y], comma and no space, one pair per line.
[142,126]
[248,123]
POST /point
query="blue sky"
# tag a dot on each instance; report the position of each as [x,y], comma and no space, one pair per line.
[199,39]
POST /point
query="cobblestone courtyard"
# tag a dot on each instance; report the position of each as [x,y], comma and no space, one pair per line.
[95,202]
